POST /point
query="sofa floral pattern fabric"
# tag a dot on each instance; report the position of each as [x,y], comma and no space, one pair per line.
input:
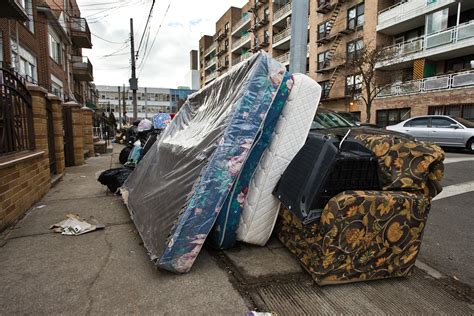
[362,235]
[208,195]
[406,164]
[367,235]
[224,232]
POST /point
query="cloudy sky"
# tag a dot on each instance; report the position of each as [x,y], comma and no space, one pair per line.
[168,59]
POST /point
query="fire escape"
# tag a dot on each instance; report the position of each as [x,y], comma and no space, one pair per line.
[333,38]
[258,23]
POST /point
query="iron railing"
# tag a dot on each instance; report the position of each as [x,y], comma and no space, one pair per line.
[451,35]
[445,82]
[277,38]
[237,26]
[282,11]
[16,115]
[245,38]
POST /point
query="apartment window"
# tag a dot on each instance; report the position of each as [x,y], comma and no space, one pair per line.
[28,6]
[226,44]
[226,60]
[24,62]
[353,85]
[437,21]
[226,28]
[266,36]
[57,86]
[355,16]
[324,88]
[354,49]
[322,57]
[55,48]
[459,64]
[323,29]
[392,116]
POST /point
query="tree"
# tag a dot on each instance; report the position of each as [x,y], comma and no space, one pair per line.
[360,63]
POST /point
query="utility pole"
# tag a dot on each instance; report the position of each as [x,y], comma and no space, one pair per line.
[120,114]
[299,36]
[133,81]
[124,110]
[146,104]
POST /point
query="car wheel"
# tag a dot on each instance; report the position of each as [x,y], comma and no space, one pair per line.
[470,145]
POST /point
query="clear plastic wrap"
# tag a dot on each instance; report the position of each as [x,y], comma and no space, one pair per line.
[175,193]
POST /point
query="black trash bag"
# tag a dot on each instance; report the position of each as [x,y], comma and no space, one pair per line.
[114,178]
[124,153]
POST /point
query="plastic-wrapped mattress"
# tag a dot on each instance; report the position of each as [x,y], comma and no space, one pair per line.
[175,194]
[260,209]
[224,235]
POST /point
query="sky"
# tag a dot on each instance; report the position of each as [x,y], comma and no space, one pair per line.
[167,62]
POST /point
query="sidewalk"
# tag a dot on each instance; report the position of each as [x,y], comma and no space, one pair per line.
[108,271]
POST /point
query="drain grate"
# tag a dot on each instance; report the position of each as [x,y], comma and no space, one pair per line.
[418,294]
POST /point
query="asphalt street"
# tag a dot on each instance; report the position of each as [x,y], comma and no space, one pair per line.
[447,245]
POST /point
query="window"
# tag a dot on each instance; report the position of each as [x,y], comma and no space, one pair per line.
[226,60]
[393,116]
[322,57]
[324,88]
[226,28]
[57,86]
[418,122]
[355,16]
[437,21]
[28,6]
[266,36]
[55,48]
[24,62]
[441,122]
[226,44]
[459,64]
[354,49]
[266,14]
[353,85]
[323,30]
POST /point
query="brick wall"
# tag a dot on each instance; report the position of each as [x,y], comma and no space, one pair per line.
[87,131]
[58,133]
[27,178]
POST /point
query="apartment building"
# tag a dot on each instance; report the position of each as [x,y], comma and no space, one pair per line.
[429,64]
[427,48]
[149,100]
[266,25]
[46,48]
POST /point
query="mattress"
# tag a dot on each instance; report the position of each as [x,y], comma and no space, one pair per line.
[176,192]
[260,209]
[223,234]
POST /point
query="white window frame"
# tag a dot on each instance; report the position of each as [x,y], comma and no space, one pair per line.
[57,87]
[55,46]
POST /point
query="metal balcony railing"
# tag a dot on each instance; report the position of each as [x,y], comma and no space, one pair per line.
[438,83]
[210,49]
[449,36]
[281,36]
[284,58]
[211,76]
[282,11]
[82,67]
[245,19]
[242,57]
[405,10]
[241,41]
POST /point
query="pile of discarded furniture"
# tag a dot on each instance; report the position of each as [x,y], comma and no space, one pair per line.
[237,164]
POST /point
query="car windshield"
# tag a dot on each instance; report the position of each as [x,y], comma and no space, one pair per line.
[324,120]
[464,122]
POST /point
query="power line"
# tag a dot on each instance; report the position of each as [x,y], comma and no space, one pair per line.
[154,39]
[145,29]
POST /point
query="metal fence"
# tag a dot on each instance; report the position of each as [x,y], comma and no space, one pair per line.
[16,114]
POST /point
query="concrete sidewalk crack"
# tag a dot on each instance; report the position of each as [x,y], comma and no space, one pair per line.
[90,302]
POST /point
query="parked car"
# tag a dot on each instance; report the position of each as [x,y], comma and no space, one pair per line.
[329,122]
[443,130]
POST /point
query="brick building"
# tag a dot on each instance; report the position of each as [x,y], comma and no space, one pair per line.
[46,48]
[340,29]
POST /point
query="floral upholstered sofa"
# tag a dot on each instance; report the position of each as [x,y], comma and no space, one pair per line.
[366,235]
